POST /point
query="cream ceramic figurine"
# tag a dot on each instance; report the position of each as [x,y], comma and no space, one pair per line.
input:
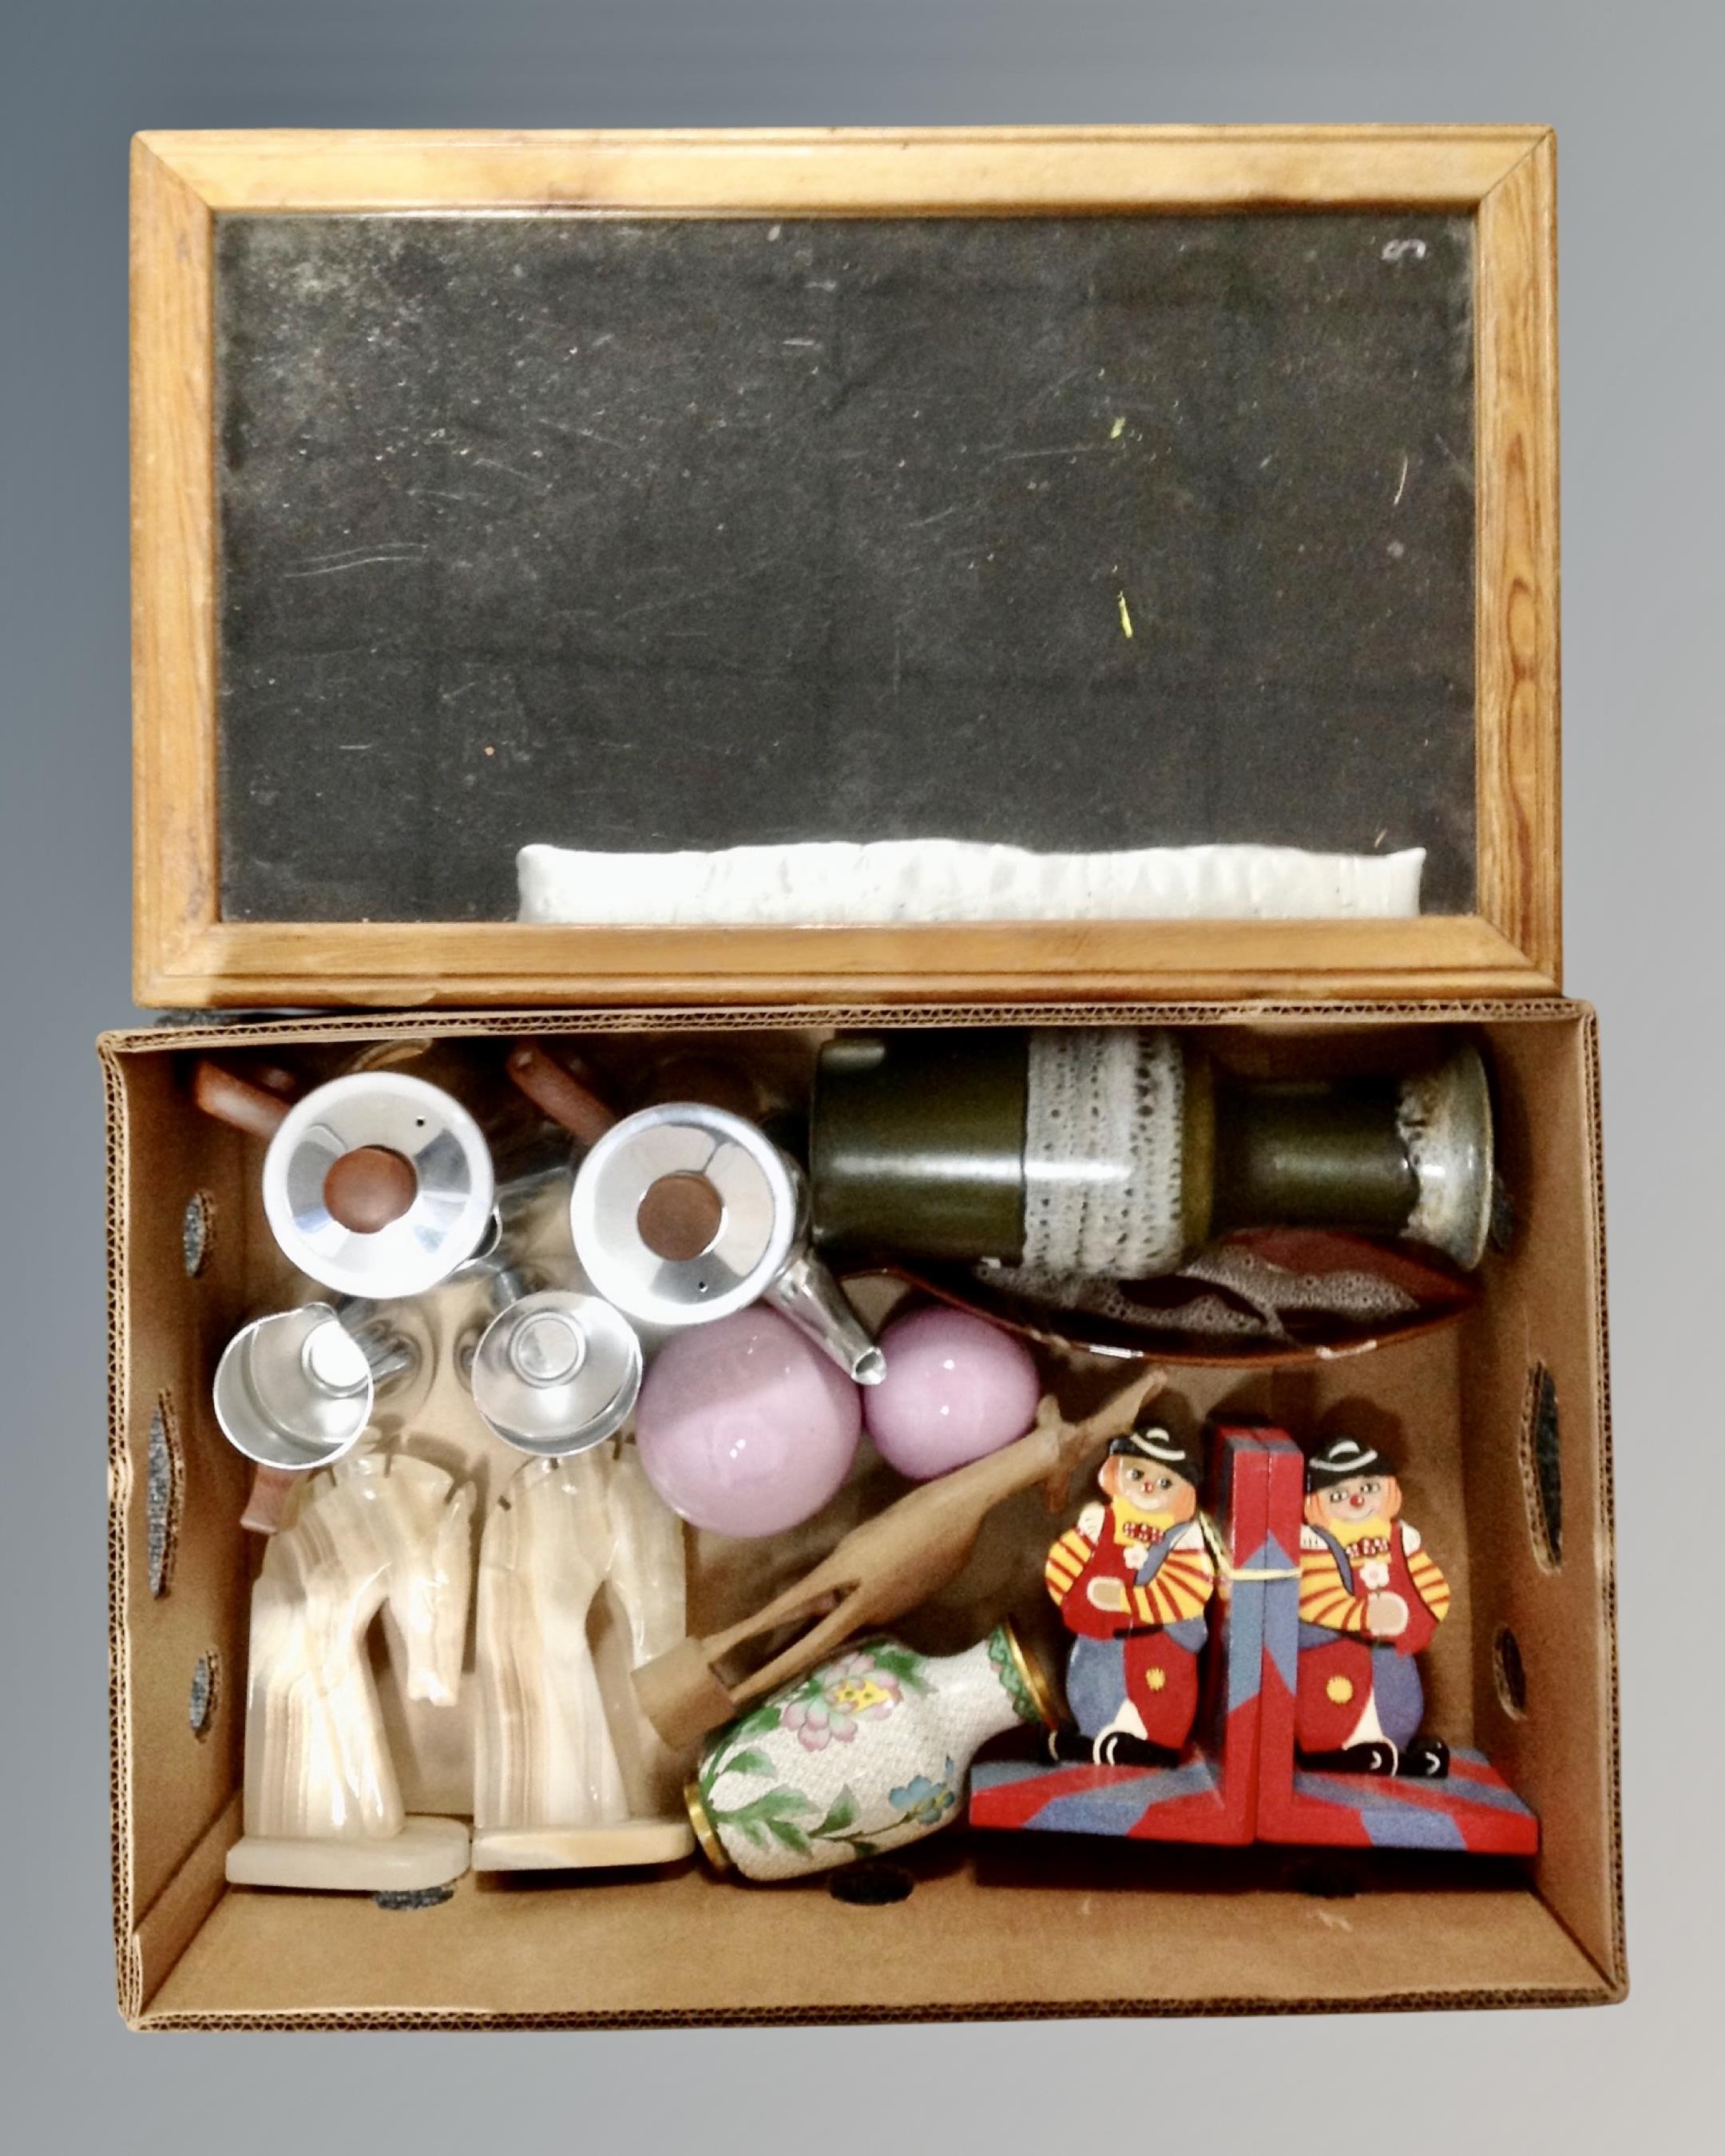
[864,1755]
[567,1771]
[322,1807]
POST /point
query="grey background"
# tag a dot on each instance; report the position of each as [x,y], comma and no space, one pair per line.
[1633,90]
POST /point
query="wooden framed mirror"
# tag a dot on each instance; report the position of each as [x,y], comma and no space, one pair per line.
[1070,488]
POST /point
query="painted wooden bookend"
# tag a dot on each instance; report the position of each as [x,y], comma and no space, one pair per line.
[378,1532]
[1345,1762]
[1371,1597]
[1252,1776]
[1210,1794]
[1131,1580]
[581,1579]
[879,1570]
[866,1753]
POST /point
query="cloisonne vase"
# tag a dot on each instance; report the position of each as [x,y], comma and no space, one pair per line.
[865,1754]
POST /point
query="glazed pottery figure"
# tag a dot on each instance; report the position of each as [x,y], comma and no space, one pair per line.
[1131,1580]
[1370,1599]
[865,1754]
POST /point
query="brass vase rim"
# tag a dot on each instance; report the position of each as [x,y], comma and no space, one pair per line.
[1036,1680]
[705,1833]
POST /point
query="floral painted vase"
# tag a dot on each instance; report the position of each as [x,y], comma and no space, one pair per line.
[865,1754]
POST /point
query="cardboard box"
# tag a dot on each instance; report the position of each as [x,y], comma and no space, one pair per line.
[255,887]
[972,1939]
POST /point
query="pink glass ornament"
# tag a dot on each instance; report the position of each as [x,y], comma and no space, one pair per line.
[956,1388]
[745,1426]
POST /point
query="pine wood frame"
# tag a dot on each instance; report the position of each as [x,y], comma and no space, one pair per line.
[185,954]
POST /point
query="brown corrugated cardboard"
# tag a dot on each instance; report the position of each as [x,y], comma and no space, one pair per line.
[1244,1931]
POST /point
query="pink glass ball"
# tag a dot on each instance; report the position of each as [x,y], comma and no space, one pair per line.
[956,1388]
[744,1426]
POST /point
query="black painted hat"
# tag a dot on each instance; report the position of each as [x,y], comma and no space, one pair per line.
[1153,1442]
[1341,1458]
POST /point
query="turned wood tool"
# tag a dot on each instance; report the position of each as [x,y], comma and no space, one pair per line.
[556,1093]
[881,1568]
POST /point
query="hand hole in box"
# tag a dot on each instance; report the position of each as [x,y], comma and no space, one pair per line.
[872,1885]
[197,1229]
[1542,1467]
[164,1493]
[1509,1674]
[204,1697]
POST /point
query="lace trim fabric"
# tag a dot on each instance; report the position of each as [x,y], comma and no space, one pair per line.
[826,884]
[1104,1151]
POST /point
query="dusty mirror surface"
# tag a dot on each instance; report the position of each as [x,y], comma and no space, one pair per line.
[1071,533]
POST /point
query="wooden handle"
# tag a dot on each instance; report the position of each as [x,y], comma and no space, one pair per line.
[236,1101]
[274,1080]
[681,1691]
[271,1494]
[556,1093]
[680,1214]
[368,1188]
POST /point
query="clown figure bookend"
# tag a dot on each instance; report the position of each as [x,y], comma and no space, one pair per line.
[1371,1598]
[1131,1580]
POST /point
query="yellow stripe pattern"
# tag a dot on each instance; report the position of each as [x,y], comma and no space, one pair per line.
[1182,1586]
[1065,1561]
[1323,1600]
[1434,1588]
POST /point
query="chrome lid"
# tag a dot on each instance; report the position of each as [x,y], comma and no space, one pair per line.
[294,1390]
[557,1372]
[446,1190]
[719,1160]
